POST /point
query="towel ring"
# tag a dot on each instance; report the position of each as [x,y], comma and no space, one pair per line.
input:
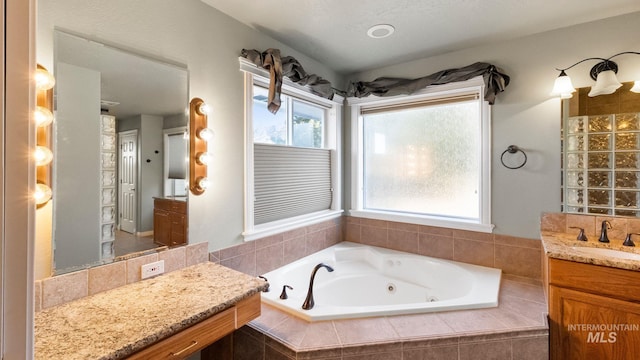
[512,149]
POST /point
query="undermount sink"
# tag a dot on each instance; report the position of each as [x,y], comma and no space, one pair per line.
[606,252]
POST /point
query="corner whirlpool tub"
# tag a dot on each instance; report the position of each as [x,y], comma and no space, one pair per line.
[372,281]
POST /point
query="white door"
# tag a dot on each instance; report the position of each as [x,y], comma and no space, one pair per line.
[128,175]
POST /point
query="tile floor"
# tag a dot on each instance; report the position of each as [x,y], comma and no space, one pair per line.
[516,329]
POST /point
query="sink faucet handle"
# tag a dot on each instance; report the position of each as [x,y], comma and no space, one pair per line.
[581,235]
[628,241]
[283,294]
[603,232]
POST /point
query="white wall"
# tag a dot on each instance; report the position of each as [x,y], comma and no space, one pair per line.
[525,114]
[209,43]
[151,165]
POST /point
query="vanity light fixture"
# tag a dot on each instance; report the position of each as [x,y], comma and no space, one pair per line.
[199,135]
[43,117]
[604,73]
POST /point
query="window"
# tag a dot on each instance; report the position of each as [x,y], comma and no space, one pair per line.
[292,157]
[424,158]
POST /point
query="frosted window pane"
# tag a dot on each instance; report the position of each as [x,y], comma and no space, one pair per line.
[268,128]
[308,125]
[424,160]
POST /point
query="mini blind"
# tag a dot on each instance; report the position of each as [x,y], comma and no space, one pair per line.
[290,181]
[419,103]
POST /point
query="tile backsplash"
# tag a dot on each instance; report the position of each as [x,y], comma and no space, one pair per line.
[61,289]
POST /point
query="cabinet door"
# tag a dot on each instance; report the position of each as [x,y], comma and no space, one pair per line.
[178,229]
[588,326]
[161,227]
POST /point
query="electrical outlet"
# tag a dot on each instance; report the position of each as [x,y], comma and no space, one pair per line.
[152,269]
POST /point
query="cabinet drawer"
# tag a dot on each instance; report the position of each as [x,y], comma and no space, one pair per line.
[618,283]
[192,339]
[171,205]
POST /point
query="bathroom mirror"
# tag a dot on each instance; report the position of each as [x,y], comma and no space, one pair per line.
[119,135]
[601,153]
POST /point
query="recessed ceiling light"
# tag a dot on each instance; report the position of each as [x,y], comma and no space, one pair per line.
[380,31]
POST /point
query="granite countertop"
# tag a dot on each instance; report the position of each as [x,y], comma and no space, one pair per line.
[117,323]
[563,246]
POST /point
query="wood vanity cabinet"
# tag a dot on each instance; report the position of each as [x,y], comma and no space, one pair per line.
[169,221]
[204,333]
[594,311]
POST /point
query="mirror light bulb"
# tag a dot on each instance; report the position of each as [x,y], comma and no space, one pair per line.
[44,80]
[43,116]
[203,183]
[43,194]
[204,158]
[636,87]
[206,134]
[43,156]
[204,109]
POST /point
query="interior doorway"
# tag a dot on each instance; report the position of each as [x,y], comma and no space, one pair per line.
[127,176]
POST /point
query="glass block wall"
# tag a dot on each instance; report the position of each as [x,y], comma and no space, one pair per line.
[601,164]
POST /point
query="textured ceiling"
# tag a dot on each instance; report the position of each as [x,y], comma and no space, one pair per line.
[334,31]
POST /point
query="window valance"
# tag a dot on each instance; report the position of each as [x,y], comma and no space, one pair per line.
[288,66]
[494,78]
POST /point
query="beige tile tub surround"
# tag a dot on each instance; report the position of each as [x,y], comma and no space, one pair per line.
[516,329]
[564,223]
[58,290]
[514,255]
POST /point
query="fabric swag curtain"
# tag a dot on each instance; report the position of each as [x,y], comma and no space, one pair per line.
[288,66]
[495,81]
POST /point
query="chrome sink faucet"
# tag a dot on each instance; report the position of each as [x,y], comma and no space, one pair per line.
[603,233]
[308,302]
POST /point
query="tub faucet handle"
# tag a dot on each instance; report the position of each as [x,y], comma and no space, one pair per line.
[283,294]
[628,241]
[267,281]
[581,235]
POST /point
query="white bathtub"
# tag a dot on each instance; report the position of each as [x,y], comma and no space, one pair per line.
[372,281]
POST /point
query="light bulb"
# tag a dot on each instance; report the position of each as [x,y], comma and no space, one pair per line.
[43,194]
[206,134]
[202,183]
[43,116]
[563,86]
[204,158]
[204,109]
[606,83]
[636,87]
[44,79]
[43,156]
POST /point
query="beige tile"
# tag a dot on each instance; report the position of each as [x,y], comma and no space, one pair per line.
[214,256]
[269,258]
[403,226]
[295,233]
[269,241]
[436,230]
[319,226]
[316,241]
[374,223]
[471,321]
[352,232]
[364,331]
[403,240]
[334,235]
[63,288]
[233,251]
[473,252]
[269,318]
[532,348]
[436,246]
[133,266]
[519,261]
[432,353]
[271,353]
[374,236]
[410,326]
[107,277]
[197,253]
[498,350]
[245,263]
[517,312]
[381,350]
[473,235]
[522,290]
[392,355]
[294,249]
[302,334]
[517,241]
[247,347]
[174,259]
[586,222]
[555,222]
[352,220]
